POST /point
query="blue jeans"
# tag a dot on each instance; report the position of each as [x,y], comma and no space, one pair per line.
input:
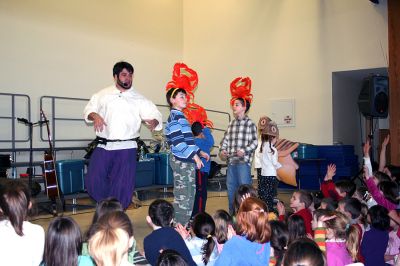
[237,174]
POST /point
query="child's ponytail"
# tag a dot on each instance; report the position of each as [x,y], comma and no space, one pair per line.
[352,241]
[204,228]
[207,249]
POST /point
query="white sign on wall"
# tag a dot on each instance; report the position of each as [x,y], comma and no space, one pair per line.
[282,111]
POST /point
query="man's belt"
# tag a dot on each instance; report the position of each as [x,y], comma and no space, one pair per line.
[104,141]
[99,140]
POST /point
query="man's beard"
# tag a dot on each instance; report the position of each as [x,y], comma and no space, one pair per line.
[124,85]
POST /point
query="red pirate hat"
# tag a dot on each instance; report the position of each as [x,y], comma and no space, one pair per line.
[195,113]
[185,78]
[240,89]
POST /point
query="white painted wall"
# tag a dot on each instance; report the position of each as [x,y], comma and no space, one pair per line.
[68,48]
[289,48]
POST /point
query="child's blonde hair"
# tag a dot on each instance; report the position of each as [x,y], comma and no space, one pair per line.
[340,225]
[110,240]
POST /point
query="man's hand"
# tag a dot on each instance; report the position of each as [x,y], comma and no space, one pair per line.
[205,155]
[240,153]
[151,123]
[98,122]
[330,172]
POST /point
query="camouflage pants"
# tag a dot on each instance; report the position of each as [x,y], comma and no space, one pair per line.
[184,189]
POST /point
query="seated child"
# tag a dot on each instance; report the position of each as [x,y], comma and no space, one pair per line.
[223,228]
[105,206]
[21,242]
[352,208]
[319,216]
[383,191]
[244,191]
[299,202]
[111,238]
[375,240]
[341,240]
[317,197]
[251,246]
[64,243]
[338,190]
[328,204]
[393,248]
[304,252]
[164,236]
[296,227]
[170,257]
[279,242]
[200,239]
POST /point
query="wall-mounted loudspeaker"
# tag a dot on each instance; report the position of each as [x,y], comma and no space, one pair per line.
[373,100]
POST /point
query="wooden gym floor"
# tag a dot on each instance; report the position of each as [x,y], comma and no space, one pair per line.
[83,215]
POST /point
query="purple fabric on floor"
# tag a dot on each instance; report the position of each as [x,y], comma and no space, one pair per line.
[112,174]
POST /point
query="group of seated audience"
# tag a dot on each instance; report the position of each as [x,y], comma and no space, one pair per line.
[341,225]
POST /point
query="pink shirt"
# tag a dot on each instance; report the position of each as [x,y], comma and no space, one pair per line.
[393,247]
[337,254]
[378,197]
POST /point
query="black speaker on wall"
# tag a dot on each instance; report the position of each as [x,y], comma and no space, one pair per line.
[373,100]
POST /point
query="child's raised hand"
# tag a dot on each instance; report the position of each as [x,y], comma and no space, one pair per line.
[182,231]
[281,208]
[366,148]
[245,196]
[330,172]
[323,219]
[366,172]
[386,141]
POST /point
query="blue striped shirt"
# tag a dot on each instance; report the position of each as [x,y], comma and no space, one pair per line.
[180,137]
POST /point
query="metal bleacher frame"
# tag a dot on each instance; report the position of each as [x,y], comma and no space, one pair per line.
[53,118]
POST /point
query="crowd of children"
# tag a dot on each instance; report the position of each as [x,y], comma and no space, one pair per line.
[312,233]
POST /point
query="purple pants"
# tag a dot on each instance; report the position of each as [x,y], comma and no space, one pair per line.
[112,174]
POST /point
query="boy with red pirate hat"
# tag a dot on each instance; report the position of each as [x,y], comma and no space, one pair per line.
[240,139]
[201,129]
[186,155]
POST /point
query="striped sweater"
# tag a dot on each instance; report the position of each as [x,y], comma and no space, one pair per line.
[180,137]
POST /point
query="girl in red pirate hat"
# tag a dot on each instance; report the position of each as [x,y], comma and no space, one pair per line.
[186,155]
[240,139]
[201,129]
